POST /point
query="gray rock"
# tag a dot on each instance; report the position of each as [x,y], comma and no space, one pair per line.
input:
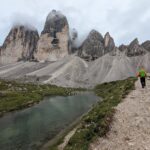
[92,47]
[0,50]
[135,49]
[109,43]
[55,22]
[146,45]
[123,48]
[96,46]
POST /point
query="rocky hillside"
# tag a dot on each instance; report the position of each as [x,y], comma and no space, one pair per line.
[20,44]
[72,71]
[54,40]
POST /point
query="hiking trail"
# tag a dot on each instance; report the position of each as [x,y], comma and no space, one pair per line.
[130,129]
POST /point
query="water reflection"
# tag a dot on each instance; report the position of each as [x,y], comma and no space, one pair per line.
[30,128]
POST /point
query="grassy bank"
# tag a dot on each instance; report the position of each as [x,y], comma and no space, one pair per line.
[96,123]
[14,95]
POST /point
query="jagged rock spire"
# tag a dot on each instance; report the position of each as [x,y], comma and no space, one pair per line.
[109,43]
[20,44]
[55,22]
[54,40]
[93,46]
[135,49]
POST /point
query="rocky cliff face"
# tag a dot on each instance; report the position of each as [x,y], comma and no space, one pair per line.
[146,45]
[92,47]
[109,43]
[123,48]
[54,40]
[96,46]
[20,44]
[135,49]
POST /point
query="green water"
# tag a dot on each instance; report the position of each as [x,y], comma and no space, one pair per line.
[29,129]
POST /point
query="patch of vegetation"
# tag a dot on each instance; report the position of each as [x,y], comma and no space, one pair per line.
[97,122]
[15,95]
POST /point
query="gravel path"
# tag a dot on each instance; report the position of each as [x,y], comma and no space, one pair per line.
[130,129]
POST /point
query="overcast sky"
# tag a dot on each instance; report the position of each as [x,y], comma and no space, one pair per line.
[124,19]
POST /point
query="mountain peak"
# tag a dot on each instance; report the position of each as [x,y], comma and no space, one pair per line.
[20,44]
[54,14]
[93,31]
[107,34]
[134,42]
[54,42]
[55,22]
[24,27]
[135,49]
[96,35]
[109,43]
[146,45]
[93,46]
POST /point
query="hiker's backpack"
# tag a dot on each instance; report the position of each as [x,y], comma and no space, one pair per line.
[142,73]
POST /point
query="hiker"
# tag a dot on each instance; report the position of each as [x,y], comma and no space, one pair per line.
[142,74]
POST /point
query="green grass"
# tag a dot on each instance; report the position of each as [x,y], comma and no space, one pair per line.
[97,122]
[15,95]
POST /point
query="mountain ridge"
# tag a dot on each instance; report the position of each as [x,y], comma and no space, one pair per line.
[53,58]
[55,42]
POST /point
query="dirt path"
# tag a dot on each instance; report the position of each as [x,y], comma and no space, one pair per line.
[130,129]
[66,140]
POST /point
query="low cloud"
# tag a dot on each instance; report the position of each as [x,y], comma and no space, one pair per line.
[125,20]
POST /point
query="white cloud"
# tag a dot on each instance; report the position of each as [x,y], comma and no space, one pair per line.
[125,20]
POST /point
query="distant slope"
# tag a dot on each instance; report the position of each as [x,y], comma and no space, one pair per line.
[72,71]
